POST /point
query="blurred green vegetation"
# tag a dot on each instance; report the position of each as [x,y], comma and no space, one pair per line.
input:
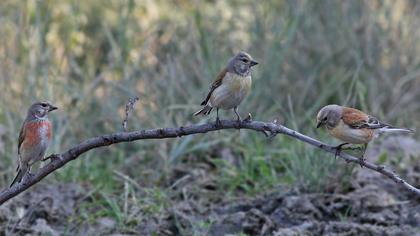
[89,57]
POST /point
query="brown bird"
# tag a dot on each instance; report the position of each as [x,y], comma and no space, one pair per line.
[230,87]
[352,126]
[34,138]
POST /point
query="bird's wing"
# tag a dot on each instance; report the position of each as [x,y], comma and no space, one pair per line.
[374,123]
[359,120]
[214,85]
[21,136]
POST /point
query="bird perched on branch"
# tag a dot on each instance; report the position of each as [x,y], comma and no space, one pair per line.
[352,126]
[34,138]
[230,87]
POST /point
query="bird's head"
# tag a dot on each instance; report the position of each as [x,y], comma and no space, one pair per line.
[241,64]
[40,110]
[329,116]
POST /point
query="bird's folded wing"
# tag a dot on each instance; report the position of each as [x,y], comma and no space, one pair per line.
[214,85]
[374,123]
[21,136]
[359,120]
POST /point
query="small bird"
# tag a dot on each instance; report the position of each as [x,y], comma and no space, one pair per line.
[352,126]
[34,138]
[230,87]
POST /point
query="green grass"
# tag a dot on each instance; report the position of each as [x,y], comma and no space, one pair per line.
[90,57]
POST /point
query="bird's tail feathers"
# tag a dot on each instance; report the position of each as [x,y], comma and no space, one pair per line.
[17,178]
[21,172]
[389,129]
[204,111]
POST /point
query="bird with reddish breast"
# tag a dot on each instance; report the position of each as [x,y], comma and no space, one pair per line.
[352,126]
[230,87]
[34,138]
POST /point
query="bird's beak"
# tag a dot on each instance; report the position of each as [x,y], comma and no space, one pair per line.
[319,124]
[253,63]
[52,108]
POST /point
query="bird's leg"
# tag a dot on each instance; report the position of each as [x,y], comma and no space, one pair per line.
[362,158]
[27,174]
[218,123]
[338,149]
[238,117]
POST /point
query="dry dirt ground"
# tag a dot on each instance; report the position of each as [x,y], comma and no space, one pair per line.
[372,205]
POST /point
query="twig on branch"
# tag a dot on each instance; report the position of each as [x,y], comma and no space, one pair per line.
[128,107]
[60,160]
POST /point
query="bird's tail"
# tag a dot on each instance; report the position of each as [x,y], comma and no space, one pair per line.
[20,173]
[18,178]
[204,111]
[395,130]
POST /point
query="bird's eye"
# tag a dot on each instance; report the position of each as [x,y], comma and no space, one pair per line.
[245,60]
[325,119]
[44,105]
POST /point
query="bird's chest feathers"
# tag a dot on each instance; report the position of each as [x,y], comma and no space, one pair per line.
[44,131]
[233,90]
[239,84]
[39,132]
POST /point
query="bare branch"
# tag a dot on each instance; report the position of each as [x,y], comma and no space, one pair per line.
[59,160]
[128,107]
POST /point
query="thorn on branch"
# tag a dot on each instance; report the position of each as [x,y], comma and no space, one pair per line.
[265,133]
[248,118]
[128,108]
[270,134]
